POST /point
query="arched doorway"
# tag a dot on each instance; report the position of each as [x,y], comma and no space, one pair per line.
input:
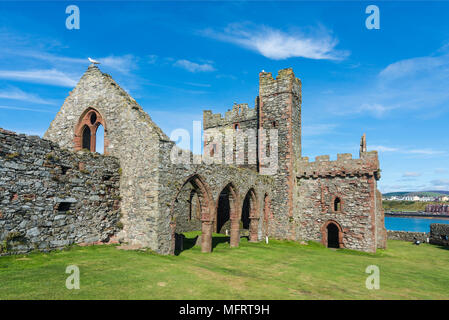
[191,211]
[227,214]
[89,123]
[250,216]
[332,235]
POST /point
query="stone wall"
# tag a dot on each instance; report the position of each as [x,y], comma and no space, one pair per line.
[359,217]
[176,181]
[408,236]
[439,234]
[239,125]
[131,136]
[279,100]
[51,197]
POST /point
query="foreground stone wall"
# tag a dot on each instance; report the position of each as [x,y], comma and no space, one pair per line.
[408,236]
[51,197]
[439,234]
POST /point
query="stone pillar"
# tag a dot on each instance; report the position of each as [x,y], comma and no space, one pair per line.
[206,237]
[173,238]
[253,226]
[235,233]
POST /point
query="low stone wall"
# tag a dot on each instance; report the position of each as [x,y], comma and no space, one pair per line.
[439,234]
[407,236]
[50,197]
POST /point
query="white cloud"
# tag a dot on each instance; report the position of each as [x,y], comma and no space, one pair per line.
[14,93]
[411,174]
[413,66]
[383,148]
[194,67]
[405,150]
[277,45]
[50,76]
[378,110]
[122,64]
[318,129]
[26,109]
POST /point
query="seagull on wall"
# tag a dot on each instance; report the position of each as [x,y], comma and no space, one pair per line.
[93,61]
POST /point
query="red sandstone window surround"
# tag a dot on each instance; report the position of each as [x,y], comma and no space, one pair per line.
[86,130]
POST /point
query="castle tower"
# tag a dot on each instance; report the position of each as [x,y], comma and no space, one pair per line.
[280,109]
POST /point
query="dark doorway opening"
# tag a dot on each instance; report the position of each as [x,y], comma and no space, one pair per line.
[223,212]
[333,236]
[245,211]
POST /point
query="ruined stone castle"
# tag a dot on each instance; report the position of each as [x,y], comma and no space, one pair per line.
[57,191]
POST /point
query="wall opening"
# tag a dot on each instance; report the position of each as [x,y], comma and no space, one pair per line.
[86,138]
[99,139]
[64,206]
[333,236]
[90,132]
[246,212]
[337,204]
[223,212]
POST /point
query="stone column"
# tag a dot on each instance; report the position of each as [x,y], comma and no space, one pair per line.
[253,226]
[173,238]
[235,233]
[206,237]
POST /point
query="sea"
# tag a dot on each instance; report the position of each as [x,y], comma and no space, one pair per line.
[411,224]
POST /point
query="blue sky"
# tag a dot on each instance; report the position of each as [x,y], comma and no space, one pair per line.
[179,58]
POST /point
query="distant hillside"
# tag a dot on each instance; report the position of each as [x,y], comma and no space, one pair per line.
[417,193]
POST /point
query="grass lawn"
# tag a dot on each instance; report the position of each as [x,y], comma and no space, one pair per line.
[279,270]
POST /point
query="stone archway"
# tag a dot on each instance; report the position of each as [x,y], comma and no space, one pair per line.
[250,215]
[199,191]
[86,131]
[232,205]
[332,234]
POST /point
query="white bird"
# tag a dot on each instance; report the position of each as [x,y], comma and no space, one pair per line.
[93,61]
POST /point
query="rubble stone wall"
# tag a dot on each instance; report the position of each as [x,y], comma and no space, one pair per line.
[51,197]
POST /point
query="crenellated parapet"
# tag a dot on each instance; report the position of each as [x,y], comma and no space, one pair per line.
[239,113]
[344,166]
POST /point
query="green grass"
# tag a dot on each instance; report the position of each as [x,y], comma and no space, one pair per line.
[279,270]
[403,205]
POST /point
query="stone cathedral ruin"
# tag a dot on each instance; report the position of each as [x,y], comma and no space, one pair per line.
[56,191]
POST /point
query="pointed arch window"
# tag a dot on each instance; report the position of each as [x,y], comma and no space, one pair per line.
[90,132]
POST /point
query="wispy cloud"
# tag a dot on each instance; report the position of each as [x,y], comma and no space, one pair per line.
[49,76]
[318,129]
[277,45]
[417,85]
[193,66]
[411,174]
[405,150]
[14,93]
[27,109]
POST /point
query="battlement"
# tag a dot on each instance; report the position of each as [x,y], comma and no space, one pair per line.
[284,82]
[239,113]
[345,165]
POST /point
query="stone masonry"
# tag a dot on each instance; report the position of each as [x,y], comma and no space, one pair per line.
[259,186]
[50,197]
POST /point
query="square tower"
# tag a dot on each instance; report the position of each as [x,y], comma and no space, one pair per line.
[280,109]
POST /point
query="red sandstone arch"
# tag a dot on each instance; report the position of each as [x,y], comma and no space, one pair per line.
[90,119]
[267,214]
[253,214]
[324,231]
[206,209]
[234,214]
